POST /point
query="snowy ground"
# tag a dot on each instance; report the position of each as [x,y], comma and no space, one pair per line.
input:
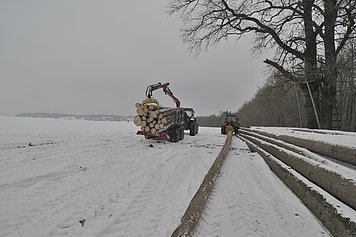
[329,136]
[103,175]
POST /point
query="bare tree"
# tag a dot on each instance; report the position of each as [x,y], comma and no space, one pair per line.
[335,31]
[274,103]
[304,33]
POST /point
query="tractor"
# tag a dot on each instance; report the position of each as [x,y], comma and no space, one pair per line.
[230,120]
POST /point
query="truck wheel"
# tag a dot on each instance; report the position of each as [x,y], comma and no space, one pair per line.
[196,128]
[181,134]
[174,135]
[193,129]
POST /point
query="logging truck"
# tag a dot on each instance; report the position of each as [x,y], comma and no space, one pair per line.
[162,122]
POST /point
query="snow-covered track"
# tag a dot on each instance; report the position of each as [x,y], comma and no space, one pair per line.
[327,188]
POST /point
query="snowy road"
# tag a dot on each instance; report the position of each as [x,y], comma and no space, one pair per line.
[102,175]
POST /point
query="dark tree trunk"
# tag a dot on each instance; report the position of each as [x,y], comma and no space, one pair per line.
[310,67]
[327,105]
[328,88]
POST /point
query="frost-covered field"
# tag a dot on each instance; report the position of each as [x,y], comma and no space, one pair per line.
[329,136]
[85,178]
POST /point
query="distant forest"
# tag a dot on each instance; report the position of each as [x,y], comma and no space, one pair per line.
[211,121]
[93,117]
[280,102]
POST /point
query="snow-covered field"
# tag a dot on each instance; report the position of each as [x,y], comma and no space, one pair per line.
[85,178]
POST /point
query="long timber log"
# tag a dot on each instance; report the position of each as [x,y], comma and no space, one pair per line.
[152,118]
[196,206]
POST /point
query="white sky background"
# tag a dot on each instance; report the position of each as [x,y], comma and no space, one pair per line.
[88,57]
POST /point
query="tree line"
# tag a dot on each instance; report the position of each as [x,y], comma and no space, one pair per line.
[212,120]
[279,102]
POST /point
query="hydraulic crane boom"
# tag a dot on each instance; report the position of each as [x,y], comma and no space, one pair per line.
[166,91]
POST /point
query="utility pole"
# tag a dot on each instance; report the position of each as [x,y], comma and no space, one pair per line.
[312,100]
[298,101]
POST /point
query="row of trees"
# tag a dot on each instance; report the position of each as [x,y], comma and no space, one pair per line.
[278,102]
[275,104]
[212,120]
[308,37]
[346,85]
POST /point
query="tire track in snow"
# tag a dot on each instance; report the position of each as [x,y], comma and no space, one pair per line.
[132,216]
[174,176]
[58,192]
[135,178]
[124,171]
[142,216]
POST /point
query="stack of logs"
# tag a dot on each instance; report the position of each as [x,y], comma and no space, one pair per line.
[152,118]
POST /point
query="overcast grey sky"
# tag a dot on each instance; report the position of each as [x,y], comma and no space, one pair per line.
[98,56]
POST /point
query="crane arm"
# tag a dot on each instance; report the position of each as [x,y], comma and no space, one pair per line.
[166,91]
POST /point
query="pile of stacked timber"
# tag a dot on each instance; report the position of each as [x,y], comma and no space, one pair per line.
[153,118]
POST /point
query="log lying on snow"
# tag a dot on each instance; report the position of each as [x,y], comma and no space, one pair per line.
[152,118]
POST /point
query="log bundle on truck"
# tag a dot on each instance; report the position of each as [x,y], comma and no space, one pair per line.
[161,122]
